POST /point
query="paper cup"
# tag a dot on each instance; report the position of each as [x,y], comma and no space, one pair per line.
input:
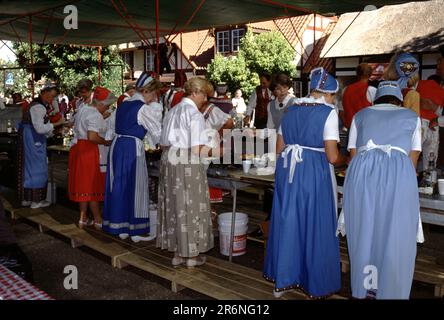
[246,164]
[441,186]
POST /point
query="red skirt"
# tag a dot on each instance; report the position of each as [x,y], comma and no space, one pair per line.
[86,182]
[215,195]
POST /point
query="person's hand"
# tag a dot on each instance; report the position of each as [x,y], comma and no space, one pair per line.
[108,142]
[433,124]
[247,120]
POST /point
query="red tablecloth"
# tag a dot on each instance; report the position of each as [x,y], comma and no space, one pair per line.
[13,287]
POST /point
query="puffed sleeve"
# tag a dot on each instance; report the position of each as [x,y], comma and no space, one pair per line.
[150,117]
[353,136]
[416,138]
[95,122]
[218,118]
[110,126]
[331,127]
[199,133]
[38,114]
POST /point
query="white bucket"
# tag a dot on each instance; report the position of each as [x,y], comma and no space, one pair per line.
[153,222]
[240,233]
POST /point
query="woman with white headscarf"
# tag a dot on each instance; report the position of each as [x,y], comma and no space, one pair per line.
[126,211]
[381,201]
[86,181]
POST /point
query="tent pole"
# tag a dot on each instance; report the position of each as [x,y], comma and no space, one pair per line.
[180,54]
[121,78]
[157,39]
[32,56]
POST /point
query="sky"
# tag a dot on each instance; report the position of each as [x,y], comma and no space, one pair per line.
[5,53]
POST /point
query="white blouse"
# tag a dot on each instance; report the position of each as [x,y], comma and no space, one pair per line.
[88,118]
[416,138]
[38,114]
[216,118]
[184,126]
[214,121]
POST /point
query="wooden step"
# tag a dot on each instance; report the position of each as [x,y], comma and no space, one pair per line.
[217,278]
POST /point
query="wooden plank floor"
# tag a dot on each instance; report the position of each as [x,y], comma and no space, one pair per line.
[217,278]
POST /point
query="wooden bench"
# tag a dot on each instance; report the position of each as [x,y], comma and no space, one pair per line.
[9,207]
[217,278]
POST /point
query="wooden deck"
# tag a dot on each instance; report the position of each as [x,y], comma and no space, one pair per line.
[217,278]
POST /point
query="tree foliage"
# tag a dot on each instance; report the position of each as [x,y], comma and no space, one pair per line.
[267,52]
[234,72]
[20,77]
[67,64]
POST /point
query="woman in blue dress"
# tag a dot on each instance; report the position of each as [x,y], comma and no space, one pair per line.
[303,250]
[126,210]
[381,201]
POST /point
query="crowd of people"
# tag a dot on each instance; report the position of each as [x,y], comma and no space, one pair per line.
[388,127]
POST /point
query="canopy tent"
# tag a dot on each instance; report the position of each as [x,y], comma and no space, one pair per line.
[105,22]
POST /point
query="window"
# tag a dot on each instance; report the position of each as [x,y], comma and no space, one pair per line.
[223,41]
[128,60]
[236,36]
[149,60]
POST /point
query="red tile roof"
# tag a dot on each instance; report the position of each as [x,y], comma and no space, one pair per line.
[197,47]
[293,28]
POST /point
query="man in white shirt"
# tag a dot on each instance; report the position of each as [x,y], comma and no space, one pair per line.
[33,166]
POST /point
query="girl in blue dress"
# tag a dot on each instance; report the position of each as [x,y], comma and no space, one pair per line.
[381,201]
[303,250]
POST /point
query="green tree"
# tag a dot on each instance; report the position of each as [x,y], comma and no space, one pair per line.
[234,72]
[67,64]
[267,52]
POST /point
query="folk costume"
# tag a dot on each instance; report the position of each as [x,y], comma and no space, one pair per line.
[126,210]
[303,250]
[381,201]
[33,166]
[86,179]
[184,221]
[276,111]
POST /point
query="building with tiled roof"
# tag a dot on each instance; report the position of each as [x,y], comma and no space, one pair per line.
[193,51]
